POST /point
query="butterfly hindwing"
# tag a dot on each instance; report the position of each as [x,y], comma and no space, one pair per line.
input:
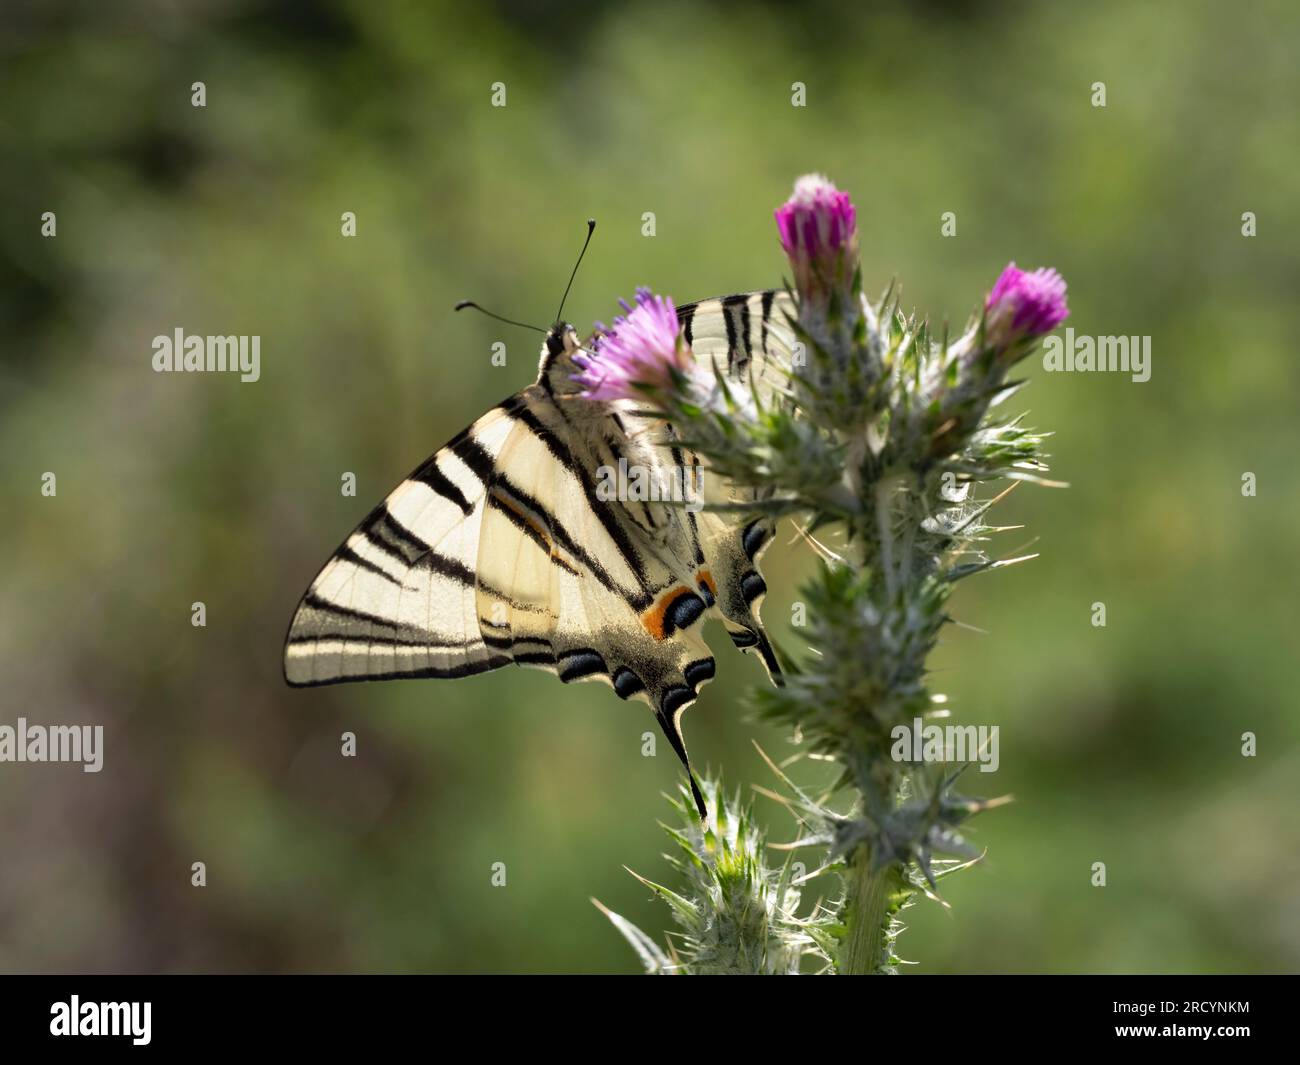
[629,610]
[748,339]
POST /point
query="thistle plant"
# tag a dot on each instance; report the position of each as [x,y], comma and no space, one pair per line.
[880,438]
[736,915]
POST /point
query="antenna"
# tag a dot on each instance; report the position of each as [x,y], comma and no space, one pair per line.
[591,228]
[523,325]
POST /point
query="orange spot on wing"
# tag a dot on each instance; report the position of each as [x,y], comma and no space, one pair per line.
[653,619]
[707,577]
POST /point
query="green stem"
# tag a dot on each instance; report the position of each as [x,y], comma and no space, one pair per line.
[863,953]
[884,501]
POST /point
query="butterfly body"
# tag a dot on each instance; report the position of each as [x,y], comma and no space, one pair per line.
[505,546]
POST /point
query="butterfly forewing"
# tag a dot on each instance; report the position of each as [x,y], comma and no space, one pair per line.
[397,599]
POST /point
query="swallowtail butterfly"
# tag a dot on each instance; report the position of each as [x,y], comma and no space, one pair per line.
[499,549]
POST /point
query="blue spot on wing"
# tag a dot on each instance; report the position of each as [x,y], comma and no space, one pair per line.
[683,612]
[626,683]
[752,586]
[577,664]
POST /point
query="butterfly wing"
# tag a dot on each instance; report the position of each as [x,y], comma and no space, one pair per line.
[625,605]
[398,598]
[748,338]
[498,550]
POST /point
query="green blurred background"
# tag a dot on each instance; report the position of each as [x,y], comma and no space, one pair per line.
[1120,744]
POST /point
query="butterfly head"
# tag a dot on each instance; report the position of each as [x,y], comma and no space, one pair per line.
[562,343]
[558,339]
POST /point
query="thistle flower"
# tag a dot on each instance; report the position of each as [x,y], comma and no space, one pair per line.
[818,227]
[837,371]
[1023,306]
[643,351]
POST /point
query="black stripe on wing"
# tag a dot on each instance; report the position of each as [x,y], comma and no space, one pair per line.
[474,455]
[686,318]
[346,552]
[527,512]
[729,314]
[330,636]
[736,313]
[429,474]
[561,452]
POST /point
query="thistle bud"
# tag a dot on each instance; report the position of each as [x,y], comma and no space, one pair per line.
[818,227]
[1023,306]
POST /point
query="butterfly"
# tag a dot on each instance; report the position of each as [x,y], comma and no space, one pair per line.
[502,548]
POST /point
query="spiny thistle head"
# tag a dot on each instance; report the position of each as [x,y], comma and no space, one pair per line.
[868,673]
[1023,305]
[919,820]
[643,351]
[943,390]
[737,915]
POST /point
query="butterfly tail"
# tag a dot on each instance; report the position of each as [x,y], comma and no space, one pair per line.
[670,723]
[768,654]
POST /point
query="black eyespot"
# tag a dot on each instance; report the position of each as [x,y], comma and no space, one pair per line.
[675,698]
[626,683]
[754,537]
[683,612]
[554,342]
[699,671]
[578,664]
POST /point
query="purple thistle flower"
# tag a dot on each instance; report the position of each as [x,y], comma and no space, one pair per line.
[642,351]
[816,218]
[818,228]
[1024,304]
